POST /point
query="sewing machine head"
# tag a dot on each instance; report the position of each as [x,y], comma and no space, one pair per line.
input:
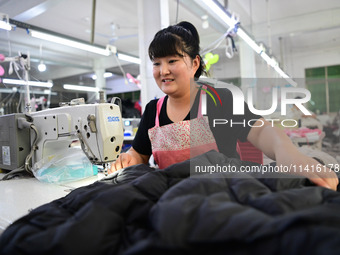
[98,127]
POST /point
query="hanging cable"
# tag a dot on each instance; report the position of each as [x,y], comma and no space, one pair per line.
[20,101]
[214,44]
[13,174]
[93,20]
[217,42]
[177,9]
[33,149]
[121,68]
[232,30]
[230,47]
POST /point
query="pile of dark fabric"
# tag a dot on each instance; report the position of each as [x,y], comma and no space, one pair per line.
[147,211]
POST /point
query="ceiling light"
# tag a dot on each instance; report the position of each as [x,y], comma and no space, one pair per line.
[108,75]
[241,33]
[105,75]
[129,58]
[217,9]
[31,83]
[282,73]
[15,89]
[268,59]
[70,43]
[42,67]
[205,22]
[5,25]
[80,88]
[219,12]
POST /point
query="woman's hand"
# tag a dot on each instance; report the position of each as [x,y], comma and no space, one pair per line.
[274,143]
[124,160]
[129,158]
[308,167]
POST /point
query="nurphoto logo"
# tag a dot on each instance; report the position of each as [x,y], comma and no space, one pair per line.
[239,99]
[213,90]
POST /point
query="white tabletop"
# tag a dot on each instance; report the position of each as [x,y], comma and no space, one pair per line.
[19,196]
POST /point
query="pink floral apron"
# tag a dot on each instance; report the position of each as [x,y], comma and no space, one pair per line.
[179,141]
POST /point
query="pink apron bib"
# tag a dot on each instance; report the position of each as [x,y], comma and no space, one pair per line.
[179,141]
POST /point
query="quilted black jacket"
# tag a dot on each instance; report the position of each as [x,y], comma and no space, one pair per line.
[147,211]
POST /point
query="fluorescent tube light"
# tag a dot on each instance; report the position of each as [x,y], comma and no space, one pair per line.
[14,89]
[219,12]
[80,88]
[249,41]
[231,22]
[268,59]
[106,75]
[31,83]
[280,72]
[222,14]
[70,43]
[5,25]
[129,58]
[82,46]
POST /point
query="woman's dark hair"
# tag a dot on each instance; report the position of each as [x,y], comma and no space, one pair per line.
[176,39]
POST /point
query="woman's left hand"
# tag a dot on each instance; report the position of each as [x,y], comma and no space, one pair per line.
[277,146]
[306,166]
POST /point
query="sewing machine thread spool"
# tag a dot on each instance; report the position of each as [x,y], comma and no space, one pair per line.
[101,97]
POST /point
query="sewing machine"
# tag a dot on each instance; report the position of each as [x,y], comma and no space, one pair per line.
[98,128]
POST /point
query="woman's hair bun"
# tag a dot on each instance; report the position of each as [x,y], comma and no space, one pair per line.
[190,27]
[176,40]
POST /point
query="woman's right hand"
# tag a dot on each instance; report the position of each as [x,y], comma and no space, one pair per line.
[129,158]
[124,160]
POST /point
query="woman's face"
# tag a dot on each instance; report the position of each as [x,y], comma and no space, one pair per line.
[173,73]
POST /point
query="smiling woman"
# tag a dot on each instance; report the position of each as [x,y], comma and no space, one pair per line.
[174,52]
[173,128]
[172,74]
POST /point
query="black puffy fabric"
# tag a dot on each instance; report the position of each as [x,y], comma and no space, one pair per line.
[146,211]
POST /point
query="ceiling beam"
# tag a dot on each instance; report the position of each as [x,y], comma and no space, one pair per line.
[36,10]
[305,23]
